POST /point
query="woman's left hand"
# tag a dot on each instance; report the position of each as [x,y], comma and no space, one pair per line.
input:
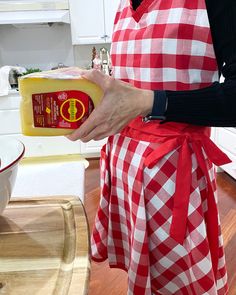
[120,104]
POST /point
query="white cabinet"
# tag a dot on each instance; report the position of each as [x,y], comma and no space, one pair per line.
[92,21]
[110,8]
[92,148]
[25,5]
[225,138]
[34,11]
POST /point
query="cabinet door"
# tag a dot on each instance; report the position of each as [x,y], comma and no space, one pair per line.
[87,21]
[110,8]
[225,138]
[92,148]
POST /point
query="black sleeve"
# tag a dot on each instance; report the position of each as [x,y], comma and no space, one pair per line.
[216,104]
[212,106]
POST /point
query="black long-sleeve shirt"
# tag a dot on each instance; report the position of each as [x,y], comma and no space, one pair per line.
[214,105]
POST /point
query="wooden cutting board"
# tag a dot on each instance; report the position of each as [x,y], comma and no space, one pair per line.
[44,247]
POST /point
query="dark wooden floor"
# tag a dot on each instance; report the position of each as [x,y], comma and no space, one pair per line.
[106,281]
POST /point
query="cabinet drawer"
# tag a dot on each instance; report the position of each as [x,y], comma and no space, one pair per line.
[227,140]
[38,146]
[92,148]
[10,121]
[10,102]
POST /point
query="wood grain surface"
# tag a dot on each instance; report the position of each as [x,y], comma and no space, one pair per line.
[44,247]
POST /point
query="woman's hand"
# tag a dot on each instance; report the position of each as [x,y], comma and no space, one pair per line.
[120,104]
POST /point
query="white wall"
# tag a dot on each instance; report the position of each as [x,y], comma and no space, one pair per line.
[36,45]
[41,46]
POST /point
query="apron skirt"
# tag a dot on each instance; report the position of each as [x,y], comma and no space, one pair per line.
[133,224]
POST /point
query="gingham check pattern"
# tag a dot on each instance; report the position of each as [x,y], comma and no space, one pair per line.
[132,227]
[170,47]
[133,222]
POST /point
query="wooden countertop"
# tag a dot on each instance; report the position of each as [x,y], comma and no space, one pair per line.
[44,247]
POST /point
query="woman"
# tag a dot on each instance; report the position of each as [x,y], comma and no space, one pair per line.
[158,216]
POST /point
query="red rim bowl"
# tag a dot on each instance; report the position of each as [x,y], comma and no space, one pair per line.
[11,151]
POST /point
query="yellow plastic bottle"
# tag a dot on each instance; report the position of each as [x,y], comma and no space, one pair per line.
[56,102]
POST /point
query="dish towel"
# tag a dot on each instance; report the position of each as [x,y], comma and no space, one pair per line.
[4,78]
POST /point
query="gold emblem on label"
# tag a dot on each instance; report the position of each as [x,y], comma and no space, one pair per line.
[72,110]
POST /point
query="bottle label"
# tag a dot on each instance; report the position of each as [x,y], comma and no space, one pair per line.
[62,109]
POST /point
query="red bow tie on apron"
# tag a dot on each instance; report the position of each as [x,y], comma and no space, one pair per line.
[199,142]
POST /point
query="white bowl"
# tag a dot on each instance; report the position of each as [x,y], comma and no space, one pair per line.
[11,151]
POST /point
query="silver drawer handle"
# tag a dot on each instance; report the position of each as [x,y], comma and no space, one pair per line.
[104,36]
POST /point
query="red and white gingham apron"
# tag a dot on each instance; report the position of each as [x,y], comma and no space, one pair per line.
[158,217]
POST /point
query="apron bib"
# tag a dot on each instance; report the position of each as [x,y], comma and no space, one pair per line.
[158,217]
